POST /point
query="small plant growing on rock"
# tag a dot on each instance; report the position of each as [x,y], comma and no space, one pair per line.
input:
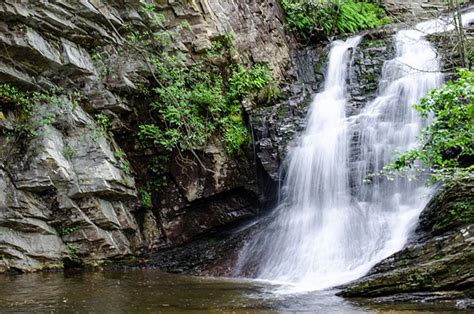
[102,127]
[145,198]
[25,105]
[68,152]
[72,250]
[123,161]
[67,230]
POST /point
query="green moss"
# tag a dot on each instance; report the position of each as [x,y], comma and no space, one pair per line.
[420,278]
[283,111]
[459,213]
[375,43]
[318,66]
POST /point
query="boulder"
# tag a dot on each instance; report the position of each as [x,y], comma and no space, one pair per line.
[437,262]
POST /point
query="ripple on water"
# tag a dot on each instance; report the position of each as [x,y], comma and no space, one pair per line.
[151,291]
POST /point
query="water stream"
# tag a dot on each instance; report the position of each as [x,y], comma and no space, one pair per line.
[328,229]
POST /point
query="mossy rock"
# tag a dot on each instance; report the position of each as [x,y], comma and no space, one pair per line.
[439,257]
[451,207]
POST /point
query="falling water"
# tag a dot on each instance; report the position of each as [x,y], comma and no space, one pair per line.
[329,229]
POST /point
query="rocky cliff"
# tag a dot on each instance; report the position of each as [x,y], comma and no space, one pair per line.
[69,190]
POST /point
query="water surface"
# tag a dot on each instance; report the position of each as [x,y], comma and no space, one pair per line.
[151,291]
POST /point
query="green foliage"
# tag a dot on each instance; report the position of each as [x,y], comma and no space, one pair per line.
[198,98]
[13,99]
[235,133]
[447,144]
[254,84]
[72,250]
[194,102]
[96,54]
[194,98]
[156,35]
[220,47]
[68,152]
[102,126]
[124,164]
[145,197]
[331,17]
[28,120]
[67,230]
[103,122]
[10,94]
[156,18]
[242,81]
[185,100]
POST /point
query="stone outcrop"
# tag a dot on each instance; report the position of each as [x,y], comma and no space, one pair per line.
[65,195]
[437,262]
[69,193]
[414,9]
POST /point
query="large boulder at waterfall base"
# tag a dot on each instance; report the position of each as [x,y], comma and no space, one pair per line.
[438,263]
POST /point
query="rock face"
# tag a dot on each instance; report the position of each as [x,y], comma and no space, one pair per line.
[437,261]
[70,193]
[414,9]
[63,196]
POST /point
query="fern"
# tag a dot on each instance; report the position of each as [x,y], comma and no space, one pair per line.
[331,17]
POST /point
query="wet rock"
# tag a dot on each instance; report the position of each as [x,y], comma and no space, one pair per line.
[438,260]
[411,10]
[197,219]
[27,241]
[447,45]
[214,254]
[366,70]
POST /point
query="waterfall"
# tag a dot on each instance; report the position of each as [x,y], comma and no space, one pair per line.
[330,227]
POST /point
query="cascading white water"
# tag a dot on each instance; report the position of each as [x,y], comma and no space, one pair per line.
[322,235]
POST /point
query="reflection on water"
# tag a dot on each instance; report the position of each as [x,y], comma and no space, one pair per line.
[150,291]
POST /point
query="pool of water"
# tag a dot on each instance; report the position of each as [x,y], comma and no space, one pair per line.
[151,291]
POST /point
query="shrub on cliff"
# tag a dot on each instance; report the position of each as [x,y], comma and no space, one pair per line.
[195,96]
[447,143]
[308,18]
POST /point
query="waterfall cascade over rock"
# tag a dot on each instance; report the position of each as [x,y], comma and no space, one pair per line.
[331,227]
